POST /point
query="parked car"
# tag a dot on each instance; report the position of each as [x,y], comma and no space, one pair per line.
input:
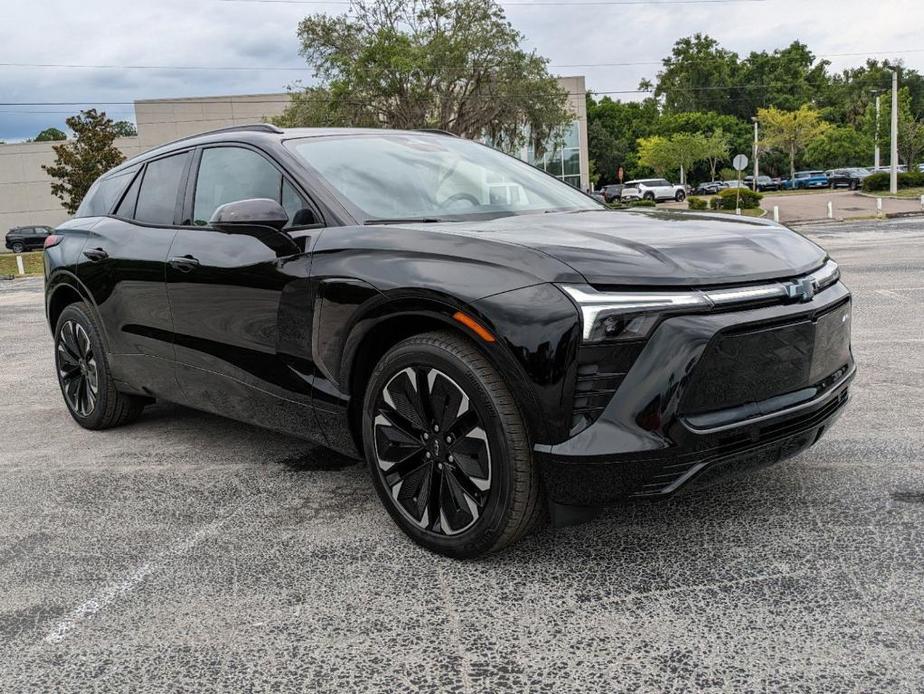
[806,179]
[734,184]
[656,189]
[612,192]
[764,183]
[901,168]
[708,188]
[847,178]
[29,238]
[438,308]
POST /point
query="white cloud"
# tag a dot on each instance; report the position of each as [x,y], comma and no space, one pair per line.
[204,32]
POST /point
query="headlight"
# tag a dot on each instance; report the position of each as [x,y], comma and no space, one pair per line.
[629,315]
[615,316]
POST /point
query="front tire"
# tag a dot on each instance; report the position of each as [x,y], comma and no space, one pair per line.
[18,247]
[448,449]
[649,196]
[83,373]
[680,196]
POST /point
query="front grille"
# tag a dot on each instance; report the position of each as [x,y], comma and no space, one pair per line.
[757,364]
[601,370]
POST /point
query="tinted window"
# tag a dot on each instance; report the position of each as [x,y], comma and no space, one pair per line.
[126,208]
[103,194]
[229,174]
[159,188]
[300,214]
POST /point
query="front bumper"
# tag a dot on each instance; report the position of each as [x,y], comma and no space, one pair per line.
[647,443]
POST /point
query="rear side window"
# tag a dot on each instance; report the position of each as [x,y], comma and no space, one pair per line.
[160,188]
[103,194]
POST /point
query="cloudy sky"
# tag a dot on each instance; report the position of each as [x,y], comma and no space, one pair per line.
[229,34]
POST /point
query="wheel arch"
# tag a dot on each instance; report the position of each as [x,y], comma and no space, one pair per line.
[64,289]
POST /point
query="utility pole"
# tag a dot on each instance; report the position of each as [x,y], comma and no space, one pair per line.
[756,165]
[876,158]
[893,178]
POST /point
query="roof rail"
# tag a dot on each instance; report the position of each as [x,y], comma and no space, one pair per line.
[436,131]
[250,127]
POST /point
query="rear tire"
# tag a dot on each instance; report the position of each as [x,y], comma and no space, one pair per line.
[447,448]
[83,373]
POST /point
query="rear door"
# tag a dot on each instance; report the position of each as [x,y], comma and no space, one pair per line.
[240,300]
[123,266]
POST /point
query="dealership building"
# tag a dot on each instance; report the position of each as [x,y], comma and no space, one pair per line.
[25,188]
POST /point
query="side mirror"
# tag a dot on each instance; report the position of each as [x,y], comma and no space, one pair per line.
[256,212]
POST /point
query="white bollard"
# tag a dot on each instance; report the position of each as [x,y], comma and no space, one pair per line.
[20,266]
[879,206]
[922,201]
[738,211]
[830,210]
[776,214]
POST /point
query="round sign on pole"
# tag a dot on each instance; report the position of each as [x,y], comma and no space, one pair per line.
[740,162]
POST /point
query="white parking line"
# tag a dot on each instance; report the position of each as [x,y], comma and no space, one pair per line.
[115,591]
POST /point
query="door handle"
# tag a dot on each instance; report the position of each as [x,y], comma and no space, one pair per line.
[96,254]
[184,263]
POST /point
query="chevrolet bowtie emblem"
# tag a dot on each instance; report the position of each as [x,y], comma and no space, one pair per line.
[801,290]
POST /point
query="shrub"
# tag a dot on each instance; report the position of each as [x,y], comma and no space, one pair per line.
[697,203]
[642,203]
[880,181]
[745,198]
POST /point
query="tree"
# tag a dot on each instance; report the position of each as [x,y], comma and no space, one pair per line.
[681,151]
[697,76]
[716,150]
[613,131]
[790,131]
[50,135]
[124,128]
[82,160]
[839,146]
[456,65]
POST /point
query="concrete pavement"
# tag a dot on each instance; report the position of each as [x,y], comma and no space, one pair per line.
[188,552]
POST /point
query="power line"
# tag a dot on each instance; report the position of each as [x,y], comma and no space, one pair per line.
[303,68]
[519,3]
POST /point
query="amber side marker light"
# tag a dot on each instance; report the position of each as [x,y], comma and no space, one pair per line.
[474,326]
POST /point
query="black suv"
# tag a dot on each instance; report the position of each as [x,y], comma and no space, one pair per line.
[489,338]
[847,178]
[21,239]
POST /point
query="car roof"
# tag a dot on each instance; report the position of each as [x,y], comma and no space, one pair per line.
[257,133]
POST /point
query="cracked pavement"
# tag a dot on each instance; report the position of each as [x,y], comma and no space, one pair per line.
[187,552]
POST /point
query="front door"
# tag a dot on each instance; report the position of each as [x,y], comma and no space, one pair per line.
[240,300]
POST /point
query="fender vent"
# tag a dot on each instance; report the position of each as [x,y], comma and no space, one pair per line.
[601,370]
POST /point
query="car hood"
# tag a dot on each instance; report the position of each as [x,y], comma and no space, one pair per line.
[615,247]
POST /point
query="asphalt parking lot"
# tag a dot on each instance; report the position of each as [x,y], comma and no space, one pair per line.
[191,553]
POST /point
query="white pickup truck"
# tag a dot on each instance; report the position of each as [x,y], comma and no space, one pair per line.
[653,189]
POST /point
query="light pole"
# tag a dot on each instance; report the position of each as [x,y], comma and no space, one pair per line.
[878,94]
[893,174]
[756,165]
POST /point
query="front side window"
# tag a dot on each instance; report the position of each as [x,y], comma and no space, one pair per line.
[388,176]
[229,174]
[160,188]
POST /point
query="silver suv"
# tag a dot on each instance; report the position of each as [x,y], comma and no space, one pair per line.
[653,189]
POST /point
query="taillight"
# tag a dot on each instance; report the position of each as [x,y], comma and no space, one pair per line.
[53,240]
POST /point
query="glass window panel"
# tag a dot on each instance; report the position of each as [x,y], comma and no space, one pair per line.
[229,174]
[159,188]
[572,162]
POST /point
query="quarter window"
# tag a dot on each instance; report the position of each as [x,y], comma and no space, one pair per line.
[102,195]
[159,190]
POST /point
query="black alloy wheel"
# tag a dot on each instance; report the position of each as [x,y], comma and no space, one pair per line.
[83,373]
[447,447]
[18,247]
[681,196]
[77,369]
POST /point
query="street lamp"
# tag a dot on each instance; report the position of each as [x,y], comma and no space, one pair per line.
[756,165]
[877,93]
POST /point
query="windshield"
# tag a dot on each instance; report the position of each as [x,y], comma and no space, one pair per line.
[407,176]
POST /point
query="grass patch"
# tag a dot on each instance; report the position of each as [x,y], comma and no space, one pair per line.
[902,194]
[31,261]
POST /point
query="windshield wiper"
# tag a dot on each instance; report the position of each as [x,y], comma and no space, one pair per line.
[407,220]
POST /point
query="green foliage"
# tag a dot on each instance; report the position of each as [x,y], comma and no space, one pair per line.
[732,198]
[50,135]
[879,182]
[697,203]
[456,65]
[791,131]
[614,129]
[839,146]
[679,151]
[82,160]
[124,128]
